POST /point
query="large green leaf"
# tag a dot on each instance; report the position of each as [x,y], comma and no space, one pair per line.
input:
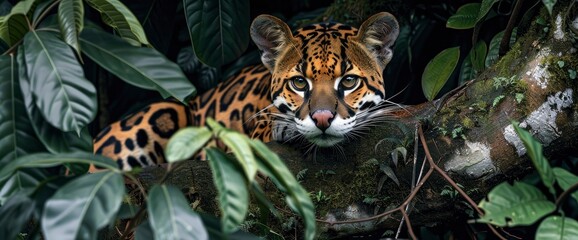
[465,17]
[14,25]
[239,145]
[71,21]
[232,188]
[296,196]
[83,206]
[171,217]
[518,205]
[23,181]
[16,134]
[549,4]
[186,142]
[556,227]
[219,29]
[467,71]
[494,49]
[142,67]
[438,71]
[485,8]
[15,215]
[50,160]
[54,139]
[566,180]
[118,16]
[534,151]
[65,98]
[478,55]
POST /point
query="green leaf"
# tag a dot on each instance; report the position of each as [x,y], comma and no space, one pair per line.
[24,181]
[485,8]
[16,134]
[438,71]
[83,206]
[65,98]
[296,197]
[518,205]
[142,67]
[171,217]
[467,71]
[15,215]
[566,180]
[115,14]
[494,49]
[218,29]
[239,145]
[42,160]
[232,189]
[549,4]
[14,26]
[465,17]
[186,142]
[556,227]
[144,231]
[534,151]
[55,140]
[478,55]
[71,21]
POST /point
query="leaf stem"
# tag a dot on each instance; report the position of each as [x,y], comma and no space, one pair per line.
[561,199]
[44,13]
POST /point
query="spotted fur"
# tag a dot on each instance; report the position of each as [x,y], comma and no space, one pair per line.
[321,84]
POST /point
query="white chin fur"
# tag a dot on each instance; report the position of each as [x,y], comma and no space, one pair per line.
[333,135]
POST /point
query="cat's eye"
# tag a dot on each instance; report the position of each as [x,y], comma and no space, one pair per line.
[299,83]
[349,82]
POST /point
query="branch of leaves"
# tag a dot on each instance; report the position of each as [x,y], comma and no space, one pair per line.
[235,176]
[522,204]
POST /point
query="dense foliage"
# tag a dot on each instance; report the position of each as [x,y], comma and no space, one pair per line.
[68,67]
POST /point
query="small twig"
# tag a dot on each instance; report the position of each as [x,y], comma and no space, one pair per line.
[562,198]
[408,222]
[505,43]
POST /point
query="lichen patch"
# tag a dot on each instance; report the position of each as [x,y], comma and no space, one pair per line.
[539,74]
[472,161]
[541,122]
[559,33]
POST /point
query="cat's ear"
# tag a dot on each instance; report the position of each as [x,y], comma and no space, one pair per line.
[377,34]
[271,35]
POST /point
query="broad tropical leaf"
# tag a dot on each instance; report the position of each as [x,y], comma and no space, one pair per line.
[219,29]
[23,181]
[549,4]
[83,206]
[14,26]
[518,205]
[467,71]
[65,98]
[478,55]
[534,151]
[438,71]
[232,189]
[239,145]
[465,17]
[566,180]
[118,16]
[54,139]
[15,215]
[16,134]
[186,142]
[71,21]
[494,49]
[556,227]
[41,160]
[142,67]
[171,217]
[485,8]
[296,197]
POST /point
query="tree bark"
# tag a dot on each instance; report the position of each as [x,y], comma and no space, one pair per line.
[468,131]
